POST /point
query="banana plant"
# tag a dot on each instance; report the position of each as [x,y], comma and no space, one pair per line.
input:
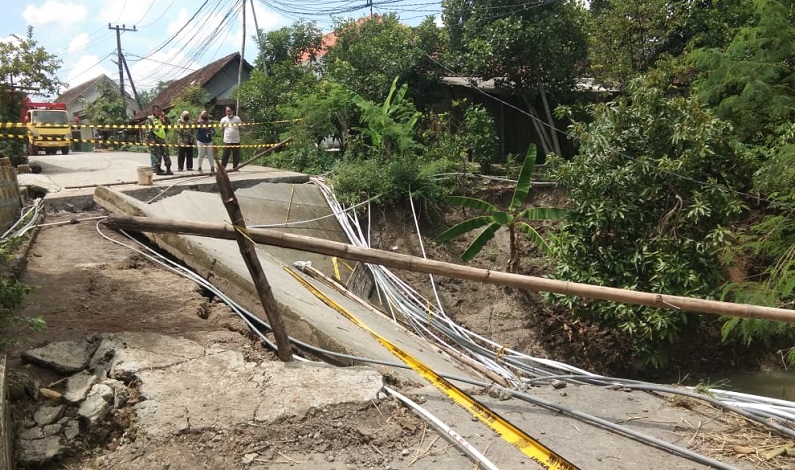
[516,218]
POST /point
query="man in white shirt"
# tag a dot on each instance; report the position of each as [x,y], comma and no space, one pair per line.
[231,126]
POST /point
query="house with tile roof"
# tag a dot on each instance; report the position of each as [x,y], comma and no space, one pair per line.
[219,80]
[79,97]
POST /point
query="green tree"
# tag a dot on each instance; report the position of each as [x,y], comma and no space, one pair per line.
[370,53]
[652,187]
[108,108]
[480,136]
[27,66]
[516,219]
[146,96]
[751,83]
[628,37]
[538,52]
[389,130]
[281,79]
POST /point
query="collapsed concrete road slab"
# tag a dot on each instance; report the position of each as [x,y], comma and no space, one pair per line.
[312,321]
[307,318]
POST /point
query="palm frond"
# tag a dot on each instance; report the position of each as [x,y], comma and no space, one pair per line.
[471,203]
[525,180]
[477,244]
[465,227]
[534,237]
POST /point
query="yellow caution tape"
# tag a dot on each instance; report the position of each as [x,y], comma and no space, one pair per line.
[120,142]
[537,451]
[336,268]
[44,125]
[138,126]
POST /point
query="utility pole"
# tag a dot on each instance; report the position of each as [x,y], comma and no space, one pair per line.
[132,85]
[119,29]
[242,57]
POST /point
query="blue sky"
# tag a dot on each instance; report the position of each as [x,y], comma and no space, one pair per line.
[173,37]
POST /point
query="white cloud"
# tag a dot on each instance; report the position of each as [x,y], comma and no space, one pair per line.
[86,68]
[78,43]
[54,12]
[177,22]
[127,13]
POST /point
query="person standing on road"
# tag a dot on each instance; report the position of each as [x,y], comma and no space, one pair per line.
[231,125]
[156,138]
[185,137]
[204,141]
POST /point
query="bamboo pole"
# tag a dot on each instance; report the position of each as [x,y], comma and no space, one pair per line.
[249,252]
[413,263]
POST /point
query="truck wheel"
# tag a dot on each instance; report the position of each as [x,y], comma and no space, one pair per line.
[65,150]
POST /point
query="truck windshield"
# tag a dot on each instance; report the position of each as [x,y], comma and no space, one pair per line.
[49,117]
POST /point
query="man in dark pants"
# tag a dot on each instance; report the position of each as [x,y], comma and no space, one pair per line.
[156,134]
[231,126]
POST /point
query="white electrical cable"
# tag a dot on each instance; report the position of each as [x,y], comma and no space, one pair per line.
[457,438]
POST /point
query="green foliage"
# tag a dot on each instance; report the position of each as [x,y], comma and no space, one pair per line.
[328,110]
[390,126]
[25,67]
[108,108]
[628,37]
[370,53]
[25,64]
[387,182]
[480,136]
[516,218]
[278,82]
[12,293]
[751,83]
[772,240]
[146,96]
[10,111]
[309,159]
[653,193]
[537,52]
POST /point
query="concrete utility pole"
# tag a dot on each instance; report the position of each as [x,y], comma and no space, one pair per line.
[120,57]
[242,57]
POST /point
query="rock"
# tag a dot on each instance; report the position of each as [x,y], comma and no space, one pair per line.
[31,433]
[63,356]
[120,392]
[77,387]
[96,405]
[71,430]
[48,414]
[21,384]
[36,452]
[51,430]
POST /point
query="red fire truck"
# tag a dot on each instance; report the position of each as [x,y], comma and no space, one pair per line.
[48,127]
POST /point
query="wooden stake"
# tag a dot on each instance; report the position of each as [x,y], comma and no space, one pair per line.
[249,251]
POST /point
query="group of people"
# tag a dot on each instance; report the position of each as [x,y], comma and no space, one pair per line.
[199,136]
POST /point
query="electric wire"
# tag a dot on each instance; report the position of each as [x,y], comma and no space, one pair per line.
[257,325]
[251,320]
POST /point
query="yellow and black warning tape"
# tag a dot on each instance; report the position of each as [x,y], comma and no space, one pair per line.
[124,126]
[532,448]
[215,124]
[122,143]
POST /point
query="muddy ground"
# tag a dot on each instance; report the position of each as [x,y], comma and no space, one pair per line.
[87,284]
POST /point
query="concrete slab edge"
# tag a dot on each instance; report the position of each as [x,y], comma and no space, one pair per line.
[6,430]
[238,287]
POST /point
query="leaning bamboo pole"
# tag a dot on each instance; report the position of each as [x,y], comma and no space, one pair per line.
[413,263]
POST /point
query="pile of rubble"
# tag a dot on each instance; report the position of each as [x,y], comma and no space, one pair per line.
[58,423]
